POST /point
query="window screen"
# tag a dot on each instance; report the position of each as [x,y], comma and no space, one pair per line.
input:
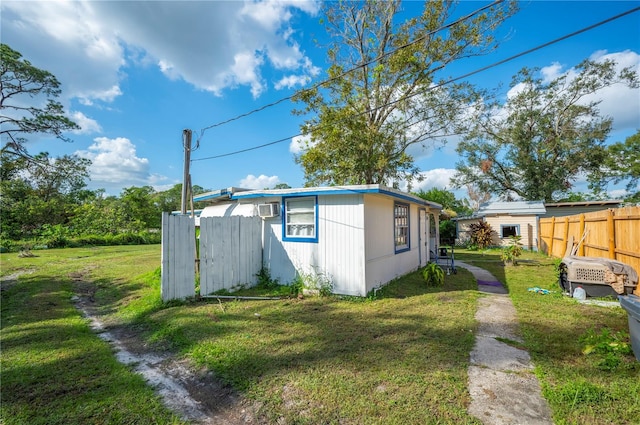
[401,227]
[300,218]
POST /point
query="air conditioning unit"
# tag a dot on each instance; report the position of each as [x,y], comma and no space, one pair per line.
[269,210]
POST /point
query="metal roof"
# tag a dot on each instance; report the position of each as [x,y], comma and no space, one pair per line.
[238,193]
[512,208]
[583,203]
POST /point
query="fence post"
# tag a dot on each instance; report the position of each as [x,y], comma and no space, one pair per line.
[553,231]
[581,247]
[611,231]
[566,232]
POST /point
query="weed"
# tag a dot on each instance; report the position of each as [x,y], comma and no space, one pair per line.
[511,252]
[265,281]
[608,347]
[315,282]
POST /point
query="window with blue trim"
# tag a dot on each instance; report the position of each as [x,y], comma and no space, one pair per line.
[300,219]
[507,230]
[401,226]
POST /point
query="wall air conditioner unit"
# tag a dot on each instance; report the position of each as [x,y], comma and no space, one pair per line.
[269,210]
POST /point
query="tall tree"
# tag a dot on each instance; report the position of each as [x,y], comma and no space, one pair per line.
[21,84]
[622,164]
[378,100]
[536,143]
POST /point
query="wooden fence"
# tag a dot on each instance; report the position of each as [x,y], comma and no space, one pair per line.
[178,257]
[230,254]
[612,233]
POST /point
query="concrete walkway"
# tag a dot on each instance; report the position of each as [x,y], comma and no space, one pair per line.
[503,388]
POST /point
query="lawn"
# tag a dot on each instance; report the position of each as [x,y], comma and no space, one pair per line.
[399,358]
[602,387]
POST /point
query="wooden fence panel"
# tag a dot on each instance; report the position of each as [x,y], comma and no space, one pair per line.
[230,252]
[178,257]
[612,233]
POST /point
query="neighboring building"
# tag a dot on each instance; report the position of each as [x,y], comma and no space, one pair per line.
[360,237]
[518,218]
[521,218]
[561,209]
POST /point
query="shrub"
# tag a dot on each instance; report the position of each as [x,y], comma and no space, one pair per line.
[481,234]
[511,253]
[433,275]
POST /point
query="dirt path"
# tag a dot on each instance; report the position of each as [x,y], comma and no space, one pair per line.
[503,388]
[194,395]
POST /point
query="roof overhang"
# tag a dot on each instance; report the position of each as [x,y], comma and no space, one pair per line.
[237,194]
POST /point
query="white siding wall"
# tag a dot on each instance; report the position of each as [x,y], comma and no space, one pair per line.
[338,254]
[381,262]
[528,229]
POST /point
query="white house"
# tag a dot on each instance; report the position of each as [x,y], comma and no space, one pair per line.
[359,237]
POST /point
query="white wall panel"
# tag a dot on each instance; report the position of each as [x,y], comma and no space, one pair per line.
[178,257]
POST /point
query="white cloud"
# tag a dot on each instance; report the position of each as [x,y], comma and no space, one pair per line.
[292,81]
[261,182]
[617,101]
[439,178]
[299,144]
[87,125]
[212,45]
[115,163]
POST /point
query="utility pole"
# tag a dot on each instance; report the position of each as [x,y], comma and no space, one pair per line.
[186,180]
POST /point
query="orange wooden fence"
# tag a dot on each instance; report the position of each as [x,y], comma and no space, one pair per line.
[612,233]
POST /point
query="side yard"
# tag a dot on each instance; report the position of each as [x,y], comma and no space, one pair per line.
[602,387]
[400,357]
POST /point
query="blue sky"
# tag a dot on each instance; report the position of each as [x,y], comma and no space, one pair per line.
[135,74]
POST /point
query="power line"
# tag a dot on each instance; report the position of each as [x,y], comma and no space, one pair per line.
[360,66]
[485,68]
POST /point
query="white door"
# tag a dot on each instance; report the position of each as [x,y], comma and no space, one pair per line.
[423,243]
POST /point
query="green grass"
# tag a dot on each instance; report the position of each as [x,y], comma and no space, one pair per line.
[399,358]
[581,388]
[54,369]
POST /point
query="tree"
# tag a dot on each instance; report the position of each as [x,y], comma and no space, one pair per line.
[19,79]
[477,197]
[536,144]
[451,207]
[38,191]
[378,100]
[446,198]
[171,199]
[139,206]
[622,163]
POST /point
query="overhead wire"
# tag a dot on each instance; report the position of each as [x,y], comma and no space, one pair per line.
[451,80]
[357,67]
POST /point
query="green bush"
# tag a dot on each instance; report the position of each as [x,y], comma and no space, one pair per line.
[433,275]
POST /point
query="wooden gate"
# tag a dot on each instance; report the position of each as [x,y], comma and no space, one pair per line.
[178,257]
[230,252]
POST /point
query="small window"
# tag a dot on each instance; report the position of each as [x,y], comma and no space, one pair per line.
[509,230]
[401,227]
[299,219]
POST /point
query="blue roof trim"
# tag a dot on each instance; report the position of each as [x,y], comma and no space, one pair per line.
[211,195]
[404,197]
